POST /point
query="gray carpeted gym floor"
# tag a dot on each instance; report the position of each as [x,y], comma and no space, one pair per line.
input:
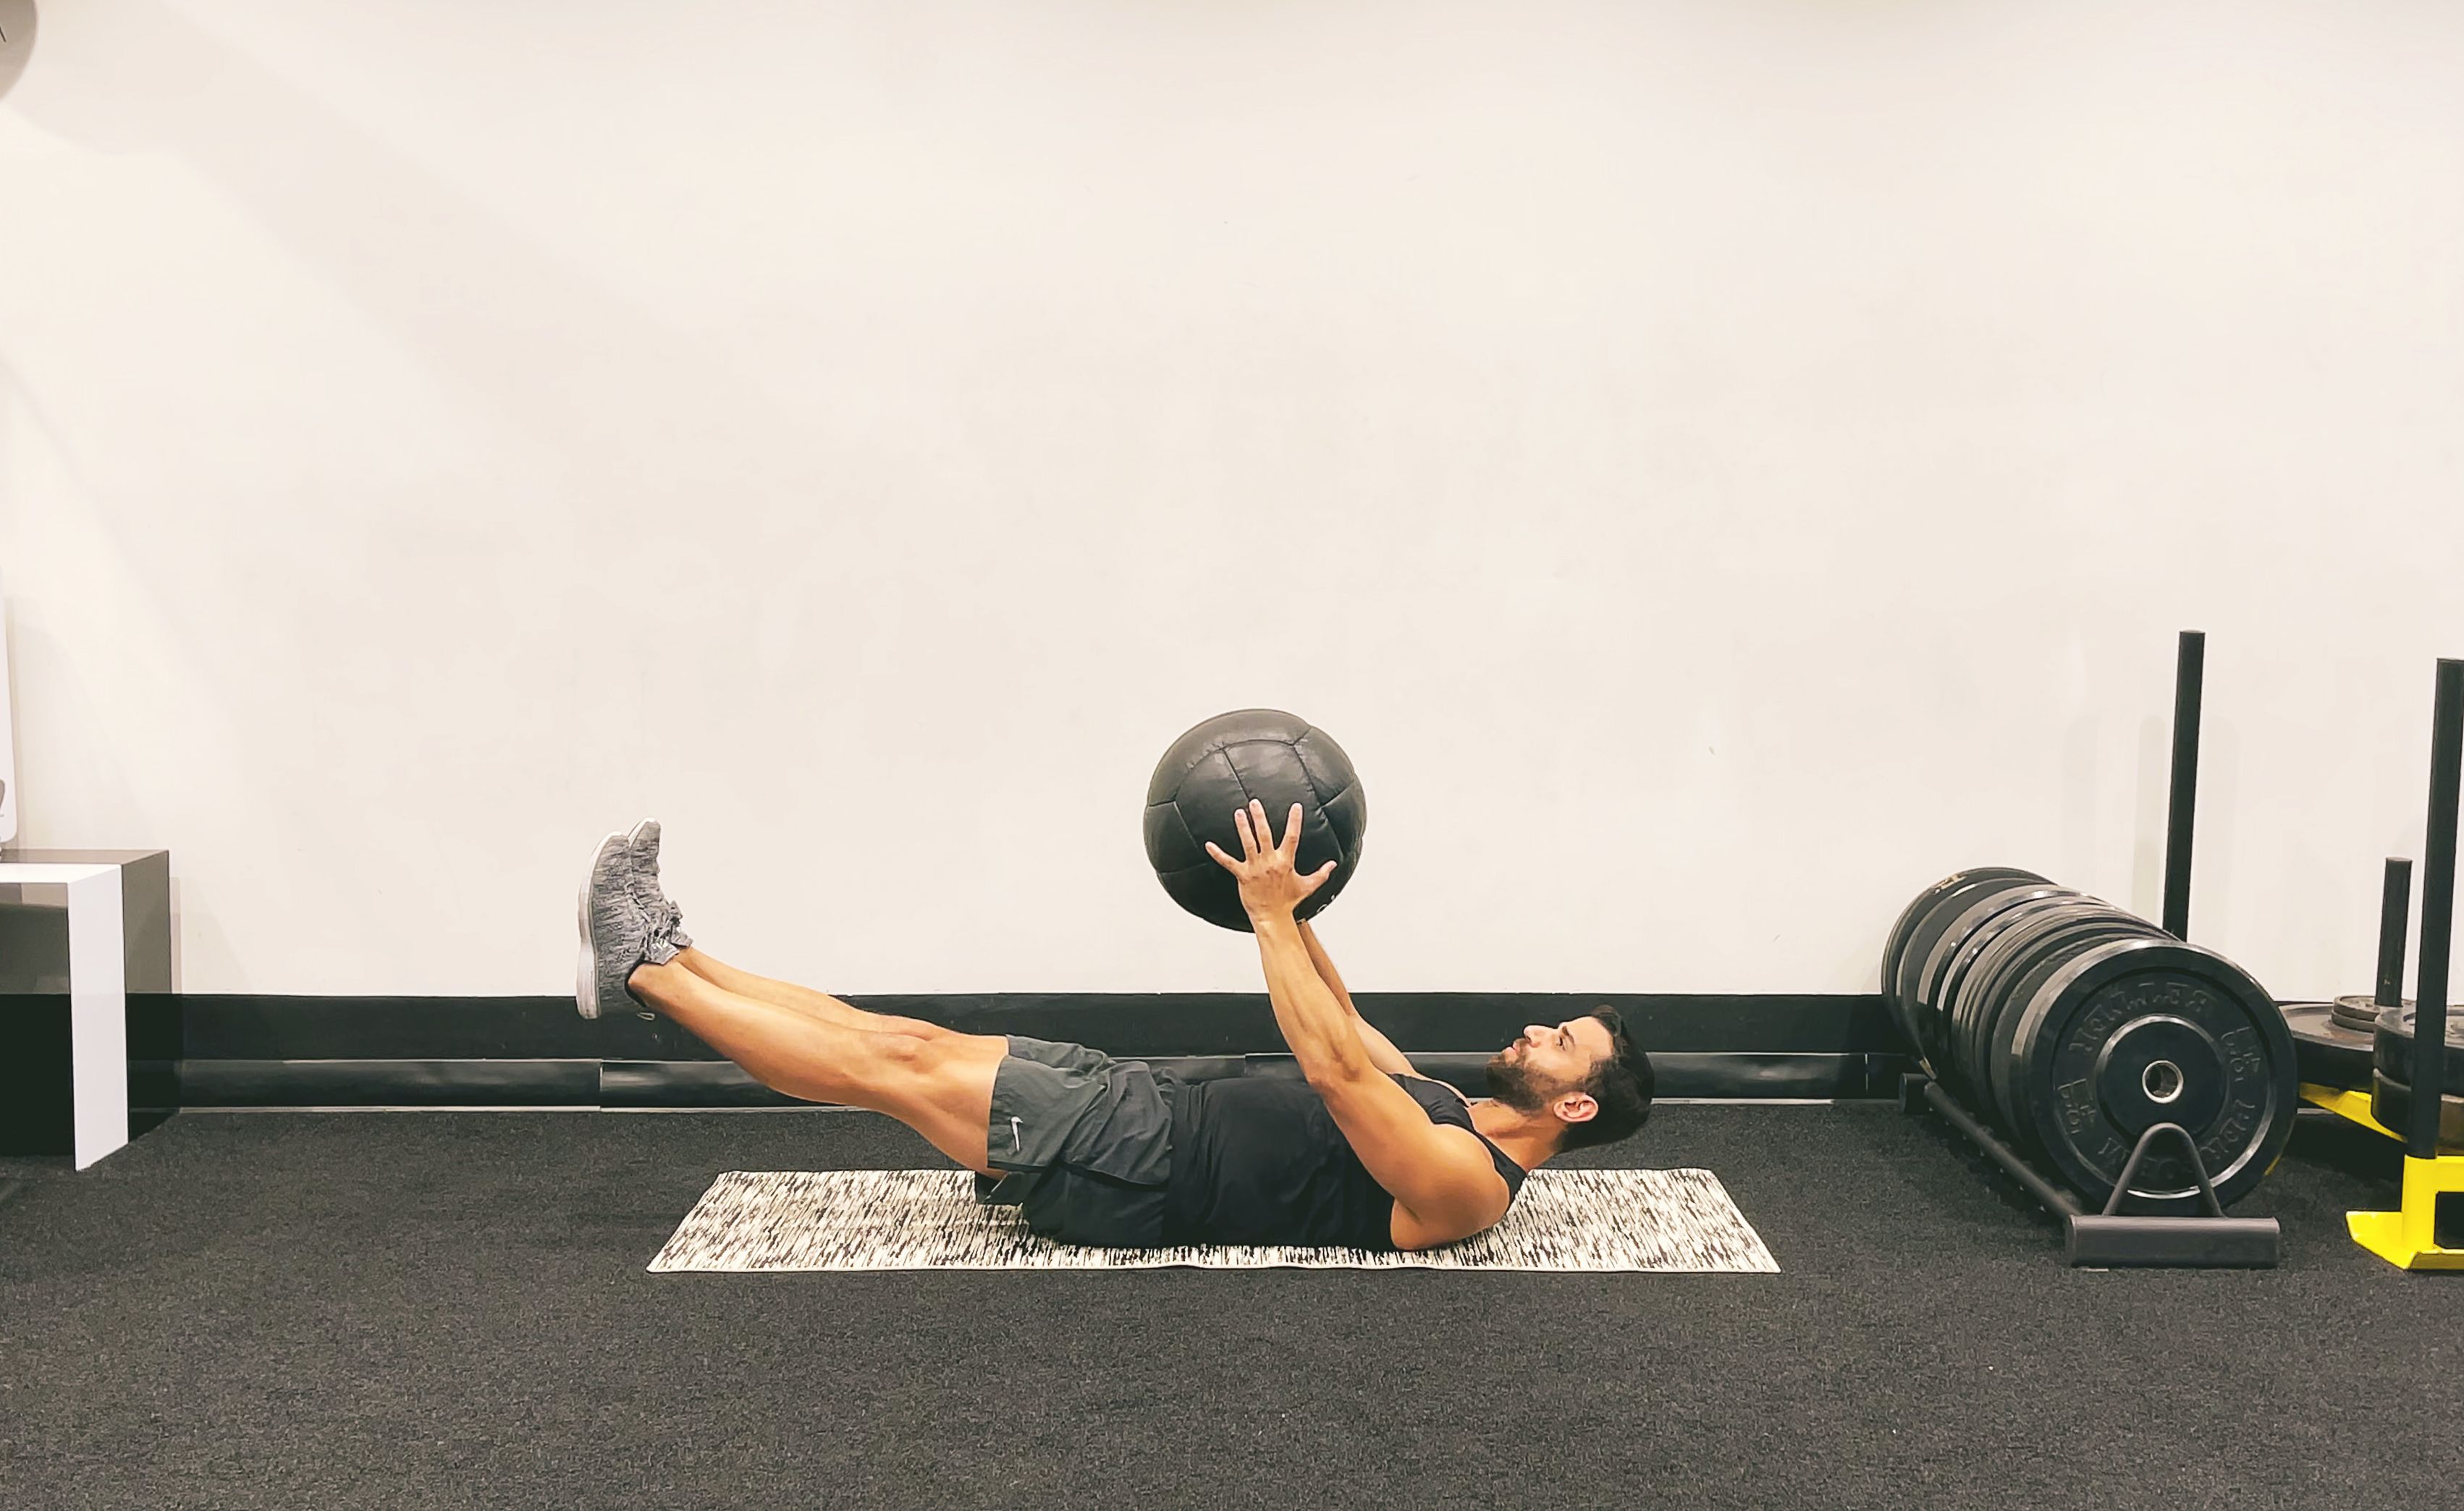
[452,1309]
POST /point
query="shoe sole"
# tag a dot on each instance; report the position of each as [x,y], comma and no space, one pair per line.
[585,990]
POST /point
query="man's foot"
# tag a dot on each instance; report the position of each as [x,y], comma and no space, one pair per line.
[616,934]
[666,920]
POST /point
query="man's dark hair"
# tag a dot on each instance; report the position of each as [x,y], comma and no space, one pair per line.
[1621,1083]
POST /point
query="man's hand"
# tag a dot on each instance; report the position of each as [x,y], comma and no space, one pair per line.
[1271,886]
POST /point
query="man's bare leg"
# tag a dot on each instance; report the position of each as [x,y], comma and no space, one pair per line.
[818,1004]
[940,1088]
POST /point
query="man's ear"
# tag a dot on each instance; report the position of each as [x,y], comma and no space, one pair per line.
[1576,1106]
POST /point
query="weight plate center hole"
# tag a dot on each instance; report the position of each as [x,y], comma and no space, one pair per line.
[2162,1081]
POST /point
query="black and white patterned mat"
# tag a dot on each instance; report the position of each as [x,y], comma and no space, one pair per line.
[1673,1222]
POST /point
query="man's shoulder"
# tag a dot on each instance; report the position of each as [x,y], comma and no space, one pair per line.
[1461,1095]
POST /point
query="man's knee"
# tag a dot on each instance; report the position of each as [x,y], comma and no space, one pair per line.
[941,1051]
[907,1052]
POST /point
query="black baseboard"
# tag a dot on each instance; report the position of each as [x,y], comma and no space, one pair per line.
[1146,1025]
[635,1083]
[234,1052]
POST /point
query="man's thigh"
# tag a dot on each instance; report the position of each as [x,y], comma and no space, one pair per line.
[999,1103]
[943,1089]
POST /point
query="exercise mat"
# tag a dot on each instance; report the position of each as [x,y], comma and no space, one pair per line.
[1671,1221]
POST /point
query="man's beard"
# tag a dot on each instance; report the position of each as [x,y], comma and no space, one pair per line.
[1513,1082]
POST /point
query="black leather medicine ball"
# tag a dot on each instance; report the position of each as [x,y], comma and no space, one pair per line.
[1214,770]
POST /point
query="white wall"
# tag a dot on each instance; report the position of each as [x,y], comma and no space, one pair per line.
[1716,465]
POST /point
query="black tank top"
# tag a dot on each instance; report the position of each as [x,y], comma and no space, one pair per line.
[1259,1159]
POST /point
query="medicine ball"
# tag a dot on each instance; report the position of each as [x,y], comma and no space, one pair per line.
[16,39]
[1216,768]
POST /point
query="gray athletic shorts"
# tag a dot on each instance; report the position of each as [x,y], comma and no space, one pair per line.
[1084,1142]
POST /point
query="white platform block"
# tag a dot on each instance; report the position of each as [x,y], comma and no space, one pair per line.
[97,1000]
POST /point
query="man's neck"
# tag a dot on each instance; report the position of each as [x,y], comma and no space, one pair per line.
[1527,1142]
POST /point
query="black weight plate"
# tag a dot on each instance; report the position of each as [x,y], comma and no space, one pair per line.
[2359,1013]
[1944,905]
[2392,1105]
[1985,1000]
[2035,960]
[2329,1054]
[1896,938]
[1897,943]
[1979,984]
[1949,1001]
[2392,1046]
[1907,918]
[1926,977]
[1895,947]
[2030,967]
[2136,1031]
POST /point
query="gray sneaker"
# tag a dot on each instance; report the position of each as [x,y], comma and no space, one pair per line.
[616,934]
[666,920]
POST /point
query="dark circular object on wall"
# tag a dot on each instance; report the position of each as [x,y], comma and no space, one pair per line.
[2136,1031]
[2392,1046]
[2330,1051]
[1215,770]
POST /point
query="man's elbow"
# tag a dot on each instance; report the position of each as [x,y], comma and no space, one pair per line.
[1332,1072]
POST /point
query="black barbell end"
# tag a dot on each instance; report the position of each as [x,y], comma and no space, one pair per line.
[2189,675]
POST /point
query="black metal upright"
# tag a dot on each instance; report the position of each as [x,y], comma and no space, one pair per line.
[2187,675]
[2437,912]
[2395,906]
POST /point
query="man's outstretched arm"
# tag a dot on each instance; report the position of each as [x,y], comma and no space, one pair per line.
[1441,1177]
[1323,1032]
[1382,1052]
[1326,1037]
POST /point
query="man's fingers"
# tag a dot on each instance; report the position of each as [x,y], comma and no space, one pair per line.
[1248,841]
[1222,860]
[1264,824]
[1292,831]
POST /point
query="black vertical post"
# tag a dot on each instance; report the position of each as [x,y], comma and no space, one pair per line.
[2187,675]
[2395,914]
[2438,913]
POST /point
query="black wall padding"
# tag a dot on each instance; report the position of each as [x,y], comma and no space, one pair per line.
[718,1084]
[213,1027]
[1680,1073]
[389,1082]
[682,1084]
[294,1051]
[216,1027]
